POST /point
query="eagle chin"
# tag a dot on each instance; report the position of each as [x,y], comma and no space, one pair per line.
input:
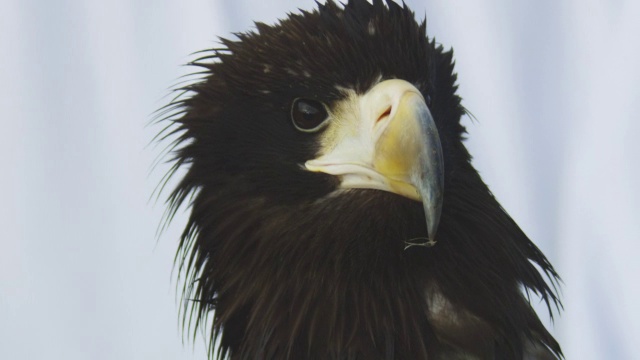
[334,210]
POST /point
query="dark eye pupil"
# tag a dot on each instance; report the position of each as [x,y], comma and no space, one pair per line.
[308,114]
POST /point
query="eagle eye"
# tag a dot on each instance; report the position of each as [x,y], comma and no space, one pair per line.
[308,115]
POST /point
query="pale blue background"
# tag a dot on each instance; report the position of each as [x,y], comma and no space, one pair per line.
[555,86]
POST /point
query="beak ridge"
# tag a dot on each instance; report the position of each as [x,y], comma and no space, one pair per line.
[409,149]
[429,177]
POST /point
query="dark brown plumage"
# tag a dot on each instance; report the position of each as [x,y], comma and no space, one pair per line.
[296,270]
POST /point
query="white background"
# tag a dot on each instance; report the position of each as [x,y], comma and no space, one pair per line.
[554,85]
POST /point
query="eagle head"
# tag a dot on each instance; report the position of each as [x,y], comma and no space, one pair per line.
[334,210]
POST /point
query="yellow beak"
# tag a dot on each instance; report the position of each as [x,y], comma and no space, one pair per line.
[391,144]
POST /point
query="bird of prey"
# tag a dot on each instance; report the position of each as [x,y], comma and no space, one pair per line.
[334,212]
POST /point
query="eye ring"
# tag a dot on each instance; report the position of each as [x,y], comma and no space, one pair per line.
[308,115]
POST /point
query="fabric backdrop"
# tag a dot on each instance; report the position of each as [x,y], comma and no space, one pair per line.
[554,86]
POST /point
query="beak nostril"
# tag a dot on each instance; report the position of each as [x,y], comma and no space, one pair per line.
[384,115]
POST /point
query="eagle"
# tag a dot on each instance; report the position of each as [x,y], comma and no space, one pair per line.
[333,209]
